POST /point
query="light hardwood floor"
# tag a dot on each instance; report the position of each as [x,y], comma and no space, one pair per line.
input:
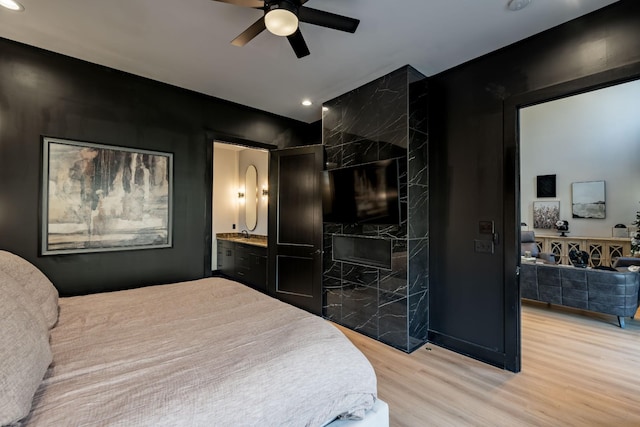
[578,369]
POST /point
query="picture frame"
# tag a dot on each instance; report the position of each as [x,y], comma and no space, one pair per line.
[545,186]
[588,200]
[546,214]
[99,198]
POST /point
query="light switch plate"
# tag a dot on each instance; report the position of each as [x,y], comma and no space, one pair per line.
[483,246]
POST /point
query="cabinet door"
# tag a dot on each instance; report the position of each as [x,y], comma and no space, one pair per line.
[220,257]
[242,266]
[596,254]
[228,257]
[258,271]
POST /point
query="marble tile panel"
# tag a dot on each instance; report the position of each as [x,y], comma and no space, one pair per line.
[360,309]
[333,157]
[356,229]
[399,247]
[360,275]
[359,114]
[393,325]
[418,211]
[394,231]
[331,268]
[418,265]
[332,299]
[392,94]
[388,150]
[372,230]
[358,152]
[418,158]
[332,117]
[331,228]
[392,121]
[332,137]
[418,318]
[418,105]
[395,281]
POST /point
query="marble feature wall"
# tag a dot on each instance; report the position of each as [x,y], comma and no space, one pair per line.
[384,119]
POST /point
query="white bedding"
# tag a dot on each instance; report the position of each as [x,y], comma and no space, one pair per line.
[205,353]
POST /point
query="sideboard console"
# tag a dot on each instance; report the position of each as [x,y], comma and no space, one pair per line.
[602,251]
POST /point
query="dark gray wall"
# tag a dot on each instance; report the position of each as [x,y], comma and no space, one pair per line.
[42,93]
[474,305]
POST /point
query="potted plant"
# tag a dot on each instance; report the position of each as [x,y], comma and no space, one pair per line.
[635,237]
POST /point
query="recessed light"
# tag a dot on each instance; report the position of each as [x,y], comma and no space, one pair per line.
[325,109]
[517,4]
[307,102]
[12,5]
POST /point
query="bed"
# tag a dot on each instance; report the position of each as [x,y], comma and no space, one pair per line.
[207,352]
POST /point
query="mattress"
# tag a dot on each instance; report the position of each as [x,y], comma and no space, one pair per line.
[208,352]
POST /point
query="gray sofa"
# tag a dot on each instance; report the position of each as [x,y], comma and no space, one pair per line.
[608,292]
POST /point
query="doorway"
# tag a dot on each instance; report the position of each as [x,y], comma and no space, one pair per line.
[579,131]
[240,191]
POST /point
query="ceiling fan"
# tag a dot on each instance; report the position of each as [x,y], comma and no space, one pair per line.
[281,18]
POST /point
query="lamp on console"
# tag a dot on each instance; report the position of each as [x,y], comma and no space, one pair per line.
[563,227]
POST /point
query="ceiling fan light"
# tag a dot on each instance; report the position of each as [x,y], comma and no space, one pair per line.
[281,19]
[12,5]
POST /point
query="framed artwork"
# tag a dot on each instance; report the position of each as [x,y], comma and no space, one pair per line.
[97,198]
[588,200]
[546,186]
[546,214]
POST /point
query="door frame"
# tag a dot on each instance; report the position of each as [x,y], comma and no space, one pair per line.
[512,217]
[210,138]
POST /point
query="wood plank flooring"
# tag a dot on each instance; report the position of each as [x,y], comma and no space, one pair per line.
[578,369]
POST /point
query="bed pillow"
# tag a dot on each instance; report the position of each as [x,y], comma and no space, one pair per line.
[25,355]
[15,290]
[34,282]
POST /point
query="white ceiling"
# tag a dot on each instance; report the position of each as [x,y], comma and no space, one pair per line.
[186,43]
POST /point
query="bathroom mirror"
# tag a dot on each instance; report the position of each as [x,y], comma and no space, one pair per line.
[251,197]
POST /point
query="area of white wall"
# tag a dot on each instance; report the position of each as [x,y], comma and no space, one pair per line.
[260,159]
[225,193]
[593,136]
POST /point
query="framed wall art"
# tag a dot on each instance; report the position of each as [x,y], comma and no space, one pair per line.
[588,200]
[546,214]
[97,198]
[545,186]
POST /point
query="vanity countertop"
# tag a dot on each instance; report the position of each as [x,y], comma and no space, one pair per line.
[253,239]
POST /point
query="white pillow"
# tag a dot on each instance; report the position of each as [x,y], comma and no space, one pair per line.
[34,282]
[25,355]
[19,293]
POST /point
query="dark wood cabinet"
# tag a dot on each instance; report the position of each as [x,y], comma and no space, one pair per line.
[226,257]
[243,262]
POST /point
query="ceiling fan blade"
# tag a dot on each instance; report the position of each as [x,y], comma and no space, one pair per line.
[244,3]
[298,44]
[248,34]
[327,19]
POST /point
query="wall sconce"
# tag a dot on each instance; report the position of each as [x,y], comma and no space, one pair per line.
[265,192]
[240,194]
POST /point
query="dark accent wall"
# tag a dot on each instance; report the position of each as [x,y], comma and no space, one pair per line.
[384,119]
[475,301]
[42,93]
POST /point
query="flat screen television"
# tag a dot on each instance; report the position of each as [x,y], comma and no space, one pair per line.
[362,194]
